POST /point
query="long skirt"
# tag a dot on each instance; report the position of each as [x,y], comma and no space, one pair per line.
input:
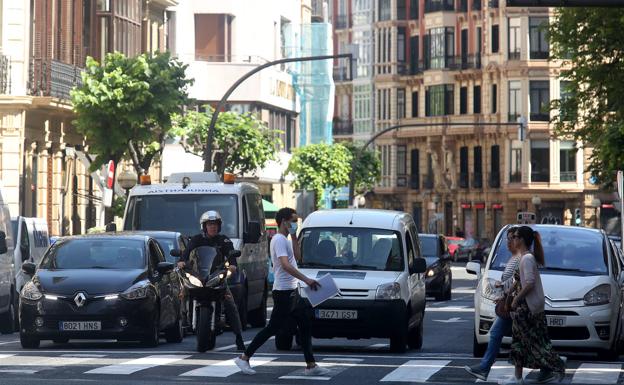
[531,347]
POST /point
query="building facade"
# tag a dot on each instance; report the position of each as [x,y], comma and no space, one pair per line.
[44,45]
[460,71]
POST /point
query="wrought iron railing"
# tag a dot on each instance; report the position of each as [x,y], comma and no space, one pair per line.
[5,74]
[53,78]
[341,21]
[414,182]
[567,176]
[341,74]
[463,180]
[342,127]
[477,180]
[428,181]
[494,179]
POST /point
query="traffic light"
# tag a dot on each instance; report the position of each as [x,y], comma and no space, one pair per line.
[577,217]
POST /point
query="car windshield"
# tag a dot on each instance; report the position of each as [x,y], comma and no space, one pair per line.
[167,245]
[181,212]
[567,249]
[96,253]
[429,246]
[351,248]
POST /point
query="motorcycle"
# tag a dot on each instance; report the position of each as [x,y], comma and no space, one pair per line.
[206,291]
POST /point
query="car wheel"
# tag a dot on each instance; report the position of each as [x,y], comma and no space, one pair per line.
[257,317]
[7,319]
[415,335]
[449,290]
[283,340]
[60,340]
[29,342]
[478,350]
[175,333]
[151,338]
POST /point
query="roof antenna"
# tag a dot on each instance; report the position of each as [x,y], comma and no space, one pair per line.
[352,214]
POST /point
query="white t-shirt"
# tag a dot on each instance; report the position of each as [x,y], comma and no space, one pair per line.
[282,247]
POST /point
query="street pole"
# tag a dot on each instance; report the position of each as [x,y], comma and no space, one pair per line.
[361,150]
[222,102]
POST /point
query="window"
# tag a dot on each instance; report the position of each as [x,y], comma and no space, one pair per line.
[440,47]
[362,114]
[567,161]
[212,37]
[514,38]
[495,166]
[429,181]
[401,165]
[540,161]
[515,162]
[463,167]
[401,46]
[515,100]
[439,100]
[254,209]
[538,42]
[439,5]
[415,104]
[414,9]
[463,100]
[401,9]
[415,169]
[567,109]
[476,101]
[539,98]
[494,98]
[477,178]
[415,66]
[401,103]
[495,42]
[384,10]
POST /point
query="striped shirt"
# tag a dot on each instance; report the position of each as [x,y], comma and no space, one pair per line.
[508,273]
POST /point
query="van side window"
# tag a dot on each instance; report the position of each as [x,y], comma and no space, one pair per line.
[410,249]
[24,240]
[415,240]
[254,209]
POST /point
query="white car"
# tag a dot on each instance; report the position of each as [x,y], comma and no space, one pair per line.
[582,283]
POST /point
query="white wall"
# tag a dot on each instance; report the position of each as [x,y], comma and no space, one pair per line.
[15,41]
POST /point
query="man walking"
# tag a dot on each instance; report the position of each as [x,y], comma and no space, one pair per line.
[285,295]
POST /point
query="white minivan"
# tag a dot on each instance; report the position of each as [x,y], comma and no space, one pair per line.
[374,257]
[31,242]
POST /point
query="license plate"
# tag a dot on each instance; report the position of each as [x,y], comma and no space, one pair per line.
[80,325]
[556,321]
[336,314]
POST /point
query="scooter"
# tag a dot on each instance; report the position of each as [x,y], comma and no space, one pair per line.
[206,291]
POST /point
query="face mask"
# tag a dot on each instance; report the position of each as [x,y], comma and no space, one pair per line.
[293,228]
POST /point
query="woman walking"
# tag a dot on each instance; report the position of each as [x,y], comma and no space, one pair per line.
[531,346]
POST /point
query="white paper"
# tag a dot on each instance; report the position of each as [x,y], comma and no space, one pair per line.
[327,290]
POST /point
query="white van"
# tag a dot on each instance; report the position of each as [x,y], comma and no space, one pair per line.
[374,257]
[8,295]
[31,242]
[177,206]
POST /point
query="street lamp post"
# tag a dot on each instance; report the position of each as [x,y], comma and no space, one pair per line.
[537,201]
[595,203]
[221,104]
[127,179]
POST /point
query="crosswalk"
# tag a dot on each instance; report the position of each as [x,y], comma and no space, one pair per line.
[283,368]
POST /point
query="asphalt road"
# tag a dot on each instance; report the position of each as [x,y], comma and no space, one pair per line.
[447,349]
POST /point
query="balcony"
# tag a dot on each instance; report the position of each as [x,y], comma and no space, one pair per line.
[439,5]
[414,182]
[514,55]
[469,61]
[494,180]
[428,182]
[317,10]
[342,127]
[515,177]
[463,180]
[341,74]
[477,180]
[539,55]
[5,75]
[341,22]
[401,181]
[567,176]
[540,117]
[52,78]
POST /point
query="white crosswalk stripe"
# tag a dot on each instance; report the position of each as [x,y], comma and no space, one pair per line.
[590,373]
[502,370]
[225,368]
[415,371]
[132,366]
[334,365]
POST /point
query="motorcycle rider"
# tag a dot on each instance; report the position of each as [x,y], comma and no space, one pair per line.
[210,235]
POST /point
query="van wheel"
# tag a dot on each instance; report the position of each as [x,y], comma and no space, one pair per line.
[257,317]
[478,350]
[415,335]
[398,342]
[16,322]
[7,320]
[283,341]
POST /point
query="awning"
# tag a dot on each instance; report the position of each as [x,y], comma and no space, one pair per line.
[268,206]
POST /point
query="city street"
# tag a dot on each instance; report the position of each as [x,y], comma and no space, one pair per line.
[447,349]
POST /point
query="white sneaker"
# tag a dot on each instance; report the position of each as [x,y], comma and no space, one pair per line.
[244,366]
[316,371]
[511,380]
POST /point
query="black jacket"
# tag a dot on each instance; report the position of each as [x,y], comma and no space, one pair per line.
[221,242]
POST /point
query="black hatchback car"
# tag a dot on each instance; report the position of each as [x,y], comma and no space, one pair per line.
[439,278]
[101,286]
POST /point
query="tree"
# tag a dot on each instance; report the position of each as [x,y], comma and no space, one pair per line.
[590,43]
[124,106]
[244,143]
[320,166]
[367,167]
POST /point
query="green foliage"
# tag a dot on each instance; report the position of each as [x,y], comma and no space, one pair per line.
[124,105]
[367,167]
[320,166]
[243,142]
[591,44]
[119,206]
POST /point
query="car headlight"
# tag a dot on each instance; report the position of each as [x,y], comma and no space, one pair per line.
[31,292]
[488,290]
[430,273]
[388,291]
[599,295]
[136,291]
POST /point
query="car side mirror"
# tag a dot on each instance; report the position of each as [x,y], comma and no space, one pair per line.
[25,250]
[253,233]
[164,267]
[175,253]
[474,268]
[3,244]
[234,254]
[111,227]
[419,266]
[29,268]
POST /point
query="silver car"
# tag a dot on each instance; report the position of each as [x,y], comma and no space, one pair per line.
[582,281]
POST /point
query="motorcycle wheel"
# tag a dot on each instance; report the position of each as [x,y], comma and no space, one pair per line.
[206,338]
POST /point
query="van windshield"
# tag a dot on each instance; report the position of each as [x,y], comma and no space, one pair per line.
[351,249]
[181,212]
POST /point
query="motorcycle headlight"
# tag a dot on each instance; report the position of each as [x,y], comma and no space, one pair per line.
[136,291]
[489,291]
[599,295]
[31,292]
[388,291]
[193,280]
